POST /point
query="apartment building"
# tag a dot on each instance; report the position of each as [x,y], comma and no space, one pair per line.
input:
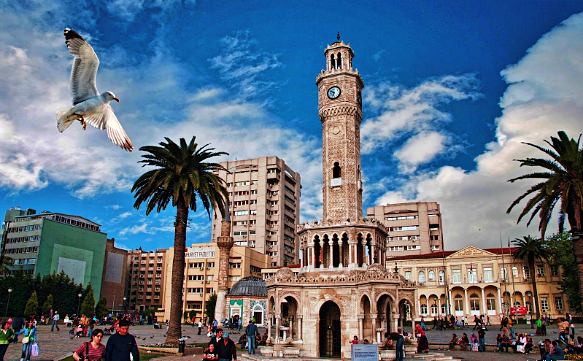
[202,273]
[115,274]
[473,281]
[413,227]
[146,278]
[46,243]
[264,198]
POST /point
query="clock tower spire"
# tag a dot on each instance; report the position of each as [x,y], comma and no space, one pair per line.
[340,110]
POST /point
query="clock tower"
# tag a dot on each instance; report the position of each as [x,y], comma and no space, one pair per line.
[340,110]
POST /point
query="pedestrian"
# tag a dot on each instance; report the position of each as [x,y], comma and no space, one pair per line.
[122,344]
[92,350]
[400,346]
[29,332]
[199,326]
[251,332]
[422,343]
[17,324]
[55,321]
[216,338]
[226,348]
[354,340]
[482,339]
[6,336]
[210,354]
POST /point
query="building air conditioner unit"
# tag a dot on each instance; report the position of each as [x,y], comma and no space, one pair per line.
[201,269]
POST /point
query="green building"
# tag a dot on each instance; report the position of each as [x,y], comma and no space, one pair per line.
[46,243]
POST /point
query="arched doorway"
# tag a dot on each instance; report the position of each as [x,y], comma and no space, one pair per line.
[367,331]
[404,313]
[385,313]
[289,310]
[330,342]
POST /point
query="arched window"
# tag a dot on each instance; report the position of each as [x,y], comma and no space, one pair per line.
[257,313]
[434,309]
[423,309]
[332,62]
[431,276]
[339,61]
[474,302]
[458,303]
[441,277]
[490,302]
[421,277]
[336,171]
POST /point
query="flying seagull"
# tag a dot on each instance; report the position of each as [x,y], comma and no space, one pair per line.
[88,105]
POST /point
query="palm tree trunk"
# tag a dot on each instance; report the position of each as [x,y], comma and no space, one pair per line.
[534,289]
[177,281]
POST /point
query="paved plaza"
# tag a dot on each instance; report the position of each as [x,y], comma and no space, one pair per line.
[58,344]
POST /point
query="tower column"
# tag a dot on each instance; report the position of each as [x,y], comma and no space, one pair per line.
[225,243]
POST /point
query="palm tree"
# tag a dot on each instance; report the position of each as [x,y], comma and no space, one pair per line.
[562,182]
[530,250]
[181,174]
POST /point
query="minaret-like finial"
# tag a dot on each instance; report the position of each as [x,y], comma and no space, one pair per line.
[338,36]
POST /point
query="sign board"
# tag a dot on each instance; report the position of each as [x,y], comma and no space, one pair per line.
[362,352]
[518,310]
[200,253]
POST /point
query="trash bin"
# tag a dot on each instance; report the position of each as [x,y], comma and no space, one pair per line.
[181,345]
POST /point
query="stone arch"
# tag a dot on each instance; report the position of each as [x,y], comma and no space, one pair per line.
[365,312]
[385,311]
[432,304]
[344,247]
[329,329]
[289,311]
[406,312]
[317,251]
[360,255]
[336,256]
[326,250]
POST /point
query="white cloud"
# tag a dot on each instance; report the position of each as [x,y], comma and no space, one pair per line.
[420,149]
[136,229]
[411,110]
[544,95]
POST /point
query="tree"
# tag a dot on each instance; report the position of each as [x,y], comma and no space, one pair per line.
[211,303]
[181,174]
[530,250]
[562,182]
[88,305]
[31,305]
[101,308]
[563,258]
[48,304]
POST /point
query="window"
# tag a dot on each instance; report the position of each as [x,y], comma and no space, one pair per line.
[488,275]
[431,276]
[474,302]
[472,275]
[458,303]
[515,272]
[456,276]
[336,172]
[421,277]
[503,274]
[540,270]
[423,309]
[434,309]
[408,275]
[526,271]
[544,304]
[554,270]
[441,277]
[559,303]
[491,302]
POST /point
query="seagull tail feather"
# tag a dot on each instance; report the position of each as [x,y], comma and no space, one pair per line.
[64,120]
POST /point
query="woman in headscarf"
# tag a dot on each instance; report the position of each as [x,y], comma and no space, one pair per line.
[422,343]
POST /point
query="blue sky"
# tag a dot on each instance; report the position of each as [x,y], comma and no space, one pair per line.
[451,89]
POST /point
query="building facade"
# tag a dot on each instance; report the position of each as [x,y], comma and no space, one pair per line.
[201,275]
[413,227]
[146,279]
[474,281]
[46,243]
[342,288]
[115,274]
[264,194]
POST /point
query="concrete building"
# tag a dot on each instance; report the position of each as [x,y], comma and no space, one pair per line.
[474,281]
[46,243]
[264,194]
[146,278]
[413,227]
[115,273]
[201,275]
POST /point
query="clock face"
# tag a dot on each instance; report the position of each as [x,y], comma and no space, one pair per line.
[334,92]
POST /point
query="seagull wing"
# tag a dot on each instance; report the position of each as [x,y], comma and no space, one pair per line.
[114,129]
[84,69]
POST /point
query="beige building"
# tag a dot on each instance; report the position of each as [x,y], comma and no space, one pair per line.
[474,281]
[264,194]
[115,274]
[147,274]
[201,275]
[413,227]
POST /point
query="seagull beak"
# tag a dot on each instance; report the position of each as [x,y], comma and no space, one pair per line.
[116,99]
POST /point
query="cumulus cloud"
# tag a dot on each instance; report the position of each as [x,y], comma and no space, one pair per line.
[419,149]
[411,110]
[544,95]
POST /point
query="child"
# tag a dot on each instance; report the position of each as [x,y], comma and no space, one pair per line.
[210,354]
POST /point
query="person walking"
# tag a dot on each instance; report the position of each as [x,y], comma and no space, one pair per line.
[29,332]
[6,336]
[482,339]
[400,346]
[226,348]
[199,326]
[55,321]
[92,350]
[122,344]
[251,332]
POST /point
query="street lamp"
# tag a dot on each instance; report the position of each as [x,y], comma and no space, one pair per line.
[79,303]
[8,302]
[124,304]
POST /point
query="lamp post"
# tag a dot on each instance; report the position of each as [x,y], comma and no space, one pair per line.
[79,303]
[124,305]
[8,302]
